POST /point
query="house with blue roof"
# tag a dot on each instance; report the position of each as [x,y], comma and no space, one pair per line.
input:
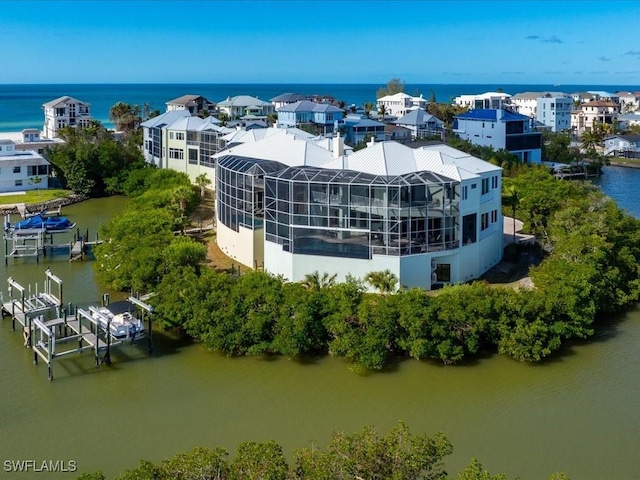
[322,115]
[357,128]
[500,128]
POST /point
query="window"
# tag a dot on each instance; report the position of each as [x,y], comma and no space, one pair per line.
[18,183]
[171,135]
[473,186]
[484,221]
[464,192]
[16,169]
[494,181]
[179,136]
[193,156]
[494,216]
[485,186]
[176,153]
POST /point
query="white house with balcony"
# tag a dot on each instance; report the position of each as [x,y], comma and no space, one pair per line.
[65,112]
[487,100]
[21,170]
[554,111]
[501,129]
[629,101]
[400,104]
[590,113]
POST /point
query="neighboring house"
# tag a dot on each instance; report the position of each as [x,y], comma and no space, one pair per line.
[400,104]
[185,143]
[357,129]
[286,99]
[421,124]
[242,105]
[604,95]
[195,104]
[499,128]
[154,145]
[622,146]
[487,100]
[583,97]
[64,112]
[20,170]
[303,112]
[596,111]
[526,103]
[629,120]
[431,215]
[394,133]
[30,139]
[555,111]
[629,101]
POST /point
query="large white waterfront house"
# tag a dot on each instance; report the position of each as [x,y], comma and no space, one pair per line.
[64,112]
[487,100]
[21,170]
[430,215]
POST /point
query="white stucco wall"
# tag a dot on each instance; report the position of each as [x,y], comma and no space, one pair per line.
[242,246]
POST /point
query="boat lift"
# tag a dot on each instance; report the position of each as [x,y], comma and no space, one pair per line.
[45,320]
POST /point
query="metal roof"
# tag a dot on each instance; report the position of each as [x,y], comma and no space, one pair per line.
[166,118]
[288,97]
[416,118]
[242,101]
[64,99]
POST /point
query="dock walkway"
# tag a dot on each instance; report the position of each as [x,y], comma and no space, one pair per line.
[51,332]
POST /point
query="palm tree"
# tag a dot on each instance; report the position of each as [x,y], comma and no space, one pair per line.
[125,117]
[385,282]
[146,111]
[511,198]
[180,196]
[202,181]
[315,281]
[382,110]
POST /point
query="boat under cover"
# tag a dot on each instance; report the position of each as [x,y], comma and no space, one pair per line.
[50,224]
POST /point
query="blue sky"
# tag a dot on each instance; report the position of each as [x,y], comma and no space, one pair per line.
[314,41]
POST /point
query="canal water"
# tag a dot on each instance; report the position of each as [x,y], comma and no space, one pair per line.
[577,413]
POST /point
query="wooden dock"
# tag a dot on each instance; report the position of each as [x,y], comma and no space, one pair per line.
[53,332]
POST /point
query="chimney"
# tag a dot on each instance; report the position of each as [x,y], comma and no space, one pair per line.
[372,142]
[338,146]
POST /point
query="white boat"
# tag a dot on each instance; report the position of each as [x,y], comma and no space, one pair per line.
[123,325]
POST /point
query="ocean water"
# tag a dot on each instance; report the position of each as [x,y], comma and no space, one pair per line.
[21,105]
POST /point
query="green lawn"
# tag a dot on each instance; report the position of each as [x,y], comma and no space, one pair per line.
[625,161]
[34,196]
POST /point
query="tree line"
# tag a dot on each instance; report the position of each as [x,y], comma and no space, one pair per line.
[398,455]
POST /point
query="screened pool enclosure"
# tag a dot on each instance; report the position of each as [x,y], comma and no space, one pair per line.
[339,213]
